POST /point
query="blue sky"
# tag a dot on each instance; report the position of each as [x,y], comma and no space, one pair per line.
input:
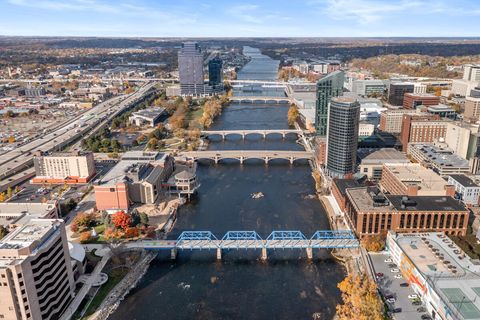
[271,18]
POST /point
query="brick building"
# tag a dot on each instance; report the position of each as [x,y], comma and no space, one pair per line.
[421,129]
[339,189]
[370,212]
[412,100]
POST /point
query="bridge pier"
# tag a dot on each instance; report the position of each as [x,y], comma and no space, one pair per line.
[266,160]
[219,254]
[284,135]
[291,160]
[310,253]
[241,160]
[223,136]
[264,136]
[173,253]
[264,254]
[216,160]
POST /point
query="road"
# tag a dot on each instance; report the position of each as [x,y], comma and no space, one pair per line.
[21,158]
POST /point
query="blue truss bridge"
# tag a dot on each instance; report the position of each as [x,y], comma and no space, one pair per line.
[251,240]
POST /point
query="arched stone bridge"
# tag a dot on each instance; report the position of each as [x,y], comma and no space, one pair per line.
[242,155]
[244,133]
[260,99]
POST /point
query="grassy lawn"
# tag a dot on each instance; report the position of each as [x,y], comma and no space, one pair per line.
[114,277]
[195,114]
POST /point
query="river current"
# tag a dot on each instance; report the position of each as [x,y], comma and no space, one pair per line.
[241,286]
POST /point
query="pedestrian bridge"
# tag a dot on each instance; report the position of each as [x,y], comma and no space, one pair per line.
[260,99]
[242,155]
[251,240]
[244,133]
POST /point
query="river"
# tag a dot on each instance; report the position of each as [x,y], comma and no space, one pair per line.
[286,286]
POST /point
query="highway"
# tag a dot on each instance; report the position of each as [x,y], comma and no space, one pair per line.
[21,158]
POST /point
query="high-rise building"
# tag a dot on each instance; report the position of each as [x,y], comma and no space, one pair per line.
[422,128]
[471,73]
[472,108]
[215,71]
[328,87]
[190,69]
[342,138]
[37,279]
[396,91]
[59,168]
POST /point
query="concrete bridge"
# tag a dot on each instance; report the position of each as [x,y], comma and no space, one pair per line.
[244,133]
[260,99]
[242,155]
[251,240]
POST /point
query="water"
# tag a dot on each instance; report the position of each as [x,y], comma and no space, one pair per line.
[287,286]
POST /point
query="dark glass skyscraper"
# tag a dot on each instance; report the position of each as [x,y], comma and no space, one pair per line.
[215,71]
[327,88]
[342,138]
[190,69]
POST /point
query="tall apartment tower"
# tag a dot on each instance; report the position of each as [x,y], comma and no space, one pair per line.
[342,138]
[190,69]
[471,73]
[328,87]
[36,274]
[215,71]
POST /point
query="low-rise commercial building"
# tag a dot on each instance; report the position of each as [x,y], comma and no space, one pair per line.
[137,178]
[462,87]
[444,277]
[339,190]
[61,168]
[368,87]
[465,189]
[365,129]
[413,100]
[36,271]
[14,214]
[150,117]
[371,212]
[371,163]
[397,90]
[412,179]
[441,160]
[443,111]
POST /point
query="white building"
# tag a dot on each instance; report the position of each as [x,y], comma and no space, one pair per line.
[365,129]
[466,189]
[458,137]
[419,88]
[445,278]
[471,72]
[462,87]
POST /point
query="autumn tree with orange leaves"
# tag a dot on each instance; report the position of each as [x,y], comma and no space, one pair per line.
[360,299]
[121,220]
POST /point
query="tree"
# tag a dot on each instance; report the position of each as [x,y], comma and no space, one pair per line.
[84,220]
[74,227]
[11,139]
[373,243]
[121,220]
[131,232]
[2,196]
[292,115]
[360,299]
[85,236]
[143,218]
[9,192]
[3,231]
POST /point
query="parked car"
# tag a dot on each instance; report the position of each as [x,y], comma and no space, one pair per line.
[421,309]
[394,270]
[388,260]
[380,274]
[416,303]
[389,296]
[398,276]
[413,296]
[404,284]
[392,265]
[397,310]
[391,300]
[426,317]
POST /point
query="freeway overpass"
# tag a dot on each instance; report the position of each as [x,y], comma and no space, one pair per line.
[15,161]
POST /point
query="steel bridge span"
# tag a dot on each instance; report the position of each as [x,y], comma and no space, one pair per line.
[251,240]
[242,155]
[243,133]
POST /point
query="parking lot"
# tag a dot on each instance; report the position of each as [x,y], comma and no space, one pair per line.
[389,285]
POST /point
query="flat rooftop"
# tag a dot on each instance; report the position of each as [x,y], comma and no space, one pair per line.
[369,199]
[425,203]
[463,180]
[344,184]
[440,108]
[150,113]
[381,156]
[24,236]
[33,208]
[440,157]
[429,182]
[453,275]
